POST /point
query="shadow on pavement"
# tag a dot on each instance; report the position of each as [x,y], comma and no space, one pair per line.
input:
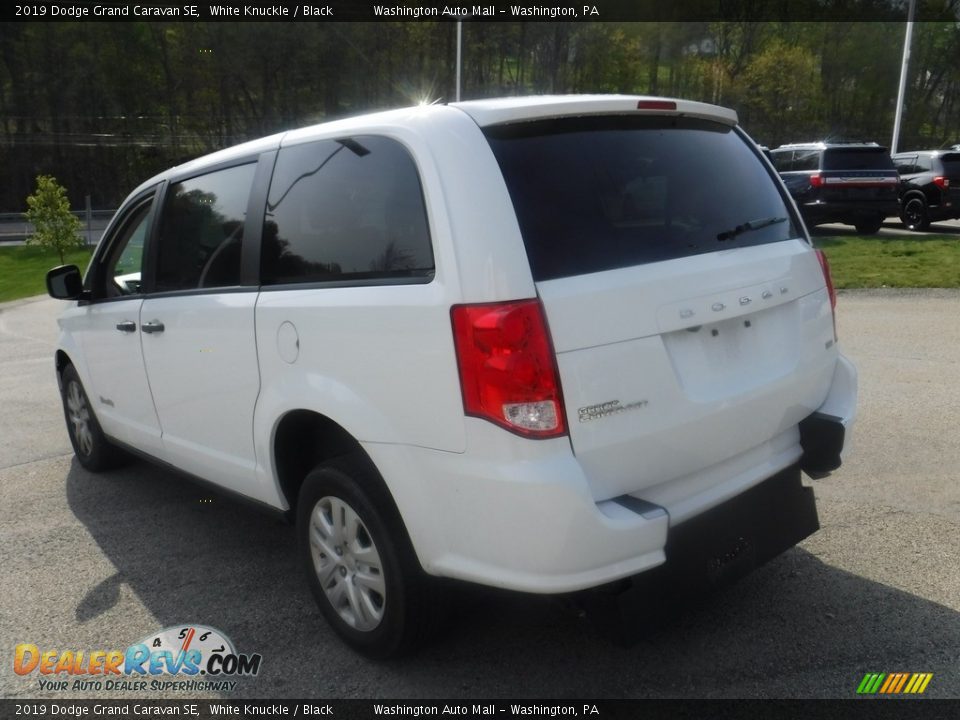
[796,627]
[891,229]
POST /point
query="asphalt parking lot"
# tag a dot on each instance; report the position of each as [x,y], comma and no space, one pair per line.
[99,561]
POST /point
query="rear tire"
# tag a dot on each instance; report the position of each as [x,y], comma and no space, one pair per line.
[869,226]
[360,562]
[914,215]
[90,445]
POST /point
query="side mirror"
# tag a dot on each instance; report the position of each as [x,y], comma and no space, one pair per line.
[65,283]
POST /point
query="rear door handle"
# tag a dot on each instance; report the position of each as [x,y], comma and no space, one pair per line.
[127,326]
[154,326]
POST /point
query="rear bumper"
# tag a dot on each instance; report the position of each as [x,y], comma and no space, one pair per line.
[830,211]
[943,212]
[826,436]
[711,550]
[520,515]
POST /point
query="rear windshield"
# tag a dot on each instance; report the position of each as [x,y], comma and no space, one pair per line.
[857,159]
[951,165]
[602,193]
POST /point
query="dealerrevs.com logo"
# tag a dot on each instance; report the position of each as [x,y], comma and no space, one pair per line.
[180,657]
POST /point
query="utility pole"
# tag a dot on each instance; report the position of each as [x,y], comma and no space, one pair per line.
[903,78]
[459,51]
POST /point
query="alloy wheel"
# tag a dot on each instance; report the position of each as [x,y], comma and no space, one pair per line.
[914,214]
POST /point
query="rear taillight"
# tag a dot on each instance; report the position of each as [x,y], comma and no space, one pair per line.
[942,182]
[816,180]
[508,373]
[825,266]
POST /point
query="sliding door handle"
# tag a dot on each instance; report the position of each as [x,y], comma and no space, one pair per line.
[154,326]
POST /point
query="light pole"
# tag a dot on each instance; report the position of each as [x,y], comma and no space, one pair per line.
[459,51]
[903,78]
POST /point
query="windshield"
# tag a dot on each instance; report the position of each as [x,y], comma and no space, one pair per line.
[600,193]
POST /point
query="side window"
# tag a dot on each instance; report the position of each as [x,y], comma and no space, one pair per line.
[806,160]
[123,263]
[906,164]
[782,160]
[201,230]
[349,209]
[923,163]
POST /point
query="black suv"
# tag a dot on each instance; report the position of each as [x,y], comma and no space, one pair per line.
[929,186]
[852,183]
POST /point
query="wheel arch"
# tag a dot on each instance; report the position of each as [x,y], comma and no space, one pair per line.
[915,193]
[302,440]
[61,360]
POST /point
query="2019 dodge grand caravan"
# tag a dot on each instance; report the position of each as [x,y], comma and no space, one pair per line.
[544,343]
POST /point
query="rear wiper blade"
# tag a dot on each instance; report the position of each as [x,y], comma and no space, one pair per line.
[748,226]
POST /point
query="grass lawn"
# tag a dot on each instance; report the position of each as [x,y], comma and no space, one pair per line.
[856,262]
[873,262]
[23,269]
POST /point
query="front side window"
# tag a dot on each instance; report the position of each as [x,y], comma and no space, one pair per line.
[602,193]
[119,273]
[201,230]
[345,210]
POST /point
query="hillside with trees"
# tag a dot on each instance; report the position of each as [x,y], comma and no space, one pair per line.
[104,105]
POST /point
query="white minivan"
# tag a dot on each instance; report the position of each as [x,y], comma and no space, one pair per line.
[546,344]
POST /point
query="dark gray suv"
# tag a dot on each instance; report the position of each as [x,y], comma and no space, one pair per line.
[852,183]
[929,186]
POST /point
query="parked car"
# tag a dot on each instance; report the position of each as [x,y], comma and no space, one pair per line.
[851,183]
[929,187]
[545,344]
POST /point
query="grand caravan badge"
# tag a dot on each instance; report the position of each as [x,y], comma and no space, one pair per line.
[611,407]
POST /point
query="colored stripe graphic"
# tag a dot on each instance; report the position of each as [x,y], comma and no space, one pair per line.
[918,683]
[870,683]
[894,683]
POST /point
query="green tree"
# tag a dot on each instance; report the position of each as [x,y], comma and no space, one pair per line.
[779,92]
[55,228]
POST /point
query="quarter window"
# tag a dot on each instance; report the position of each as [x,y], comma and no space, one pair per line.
[806,160]
[201,230]
[782,160]
[345,210]
[906,165]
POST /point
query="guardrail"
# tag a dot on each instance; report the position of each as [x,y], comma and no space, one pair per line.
[15,229]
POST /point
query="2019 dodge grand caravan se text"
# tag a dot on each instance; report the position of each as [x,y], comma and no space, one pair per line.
[545,344]
[852,183]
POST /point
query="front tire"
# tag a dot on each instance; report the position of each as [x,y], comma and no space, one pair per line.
[90,445]
[360,563]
